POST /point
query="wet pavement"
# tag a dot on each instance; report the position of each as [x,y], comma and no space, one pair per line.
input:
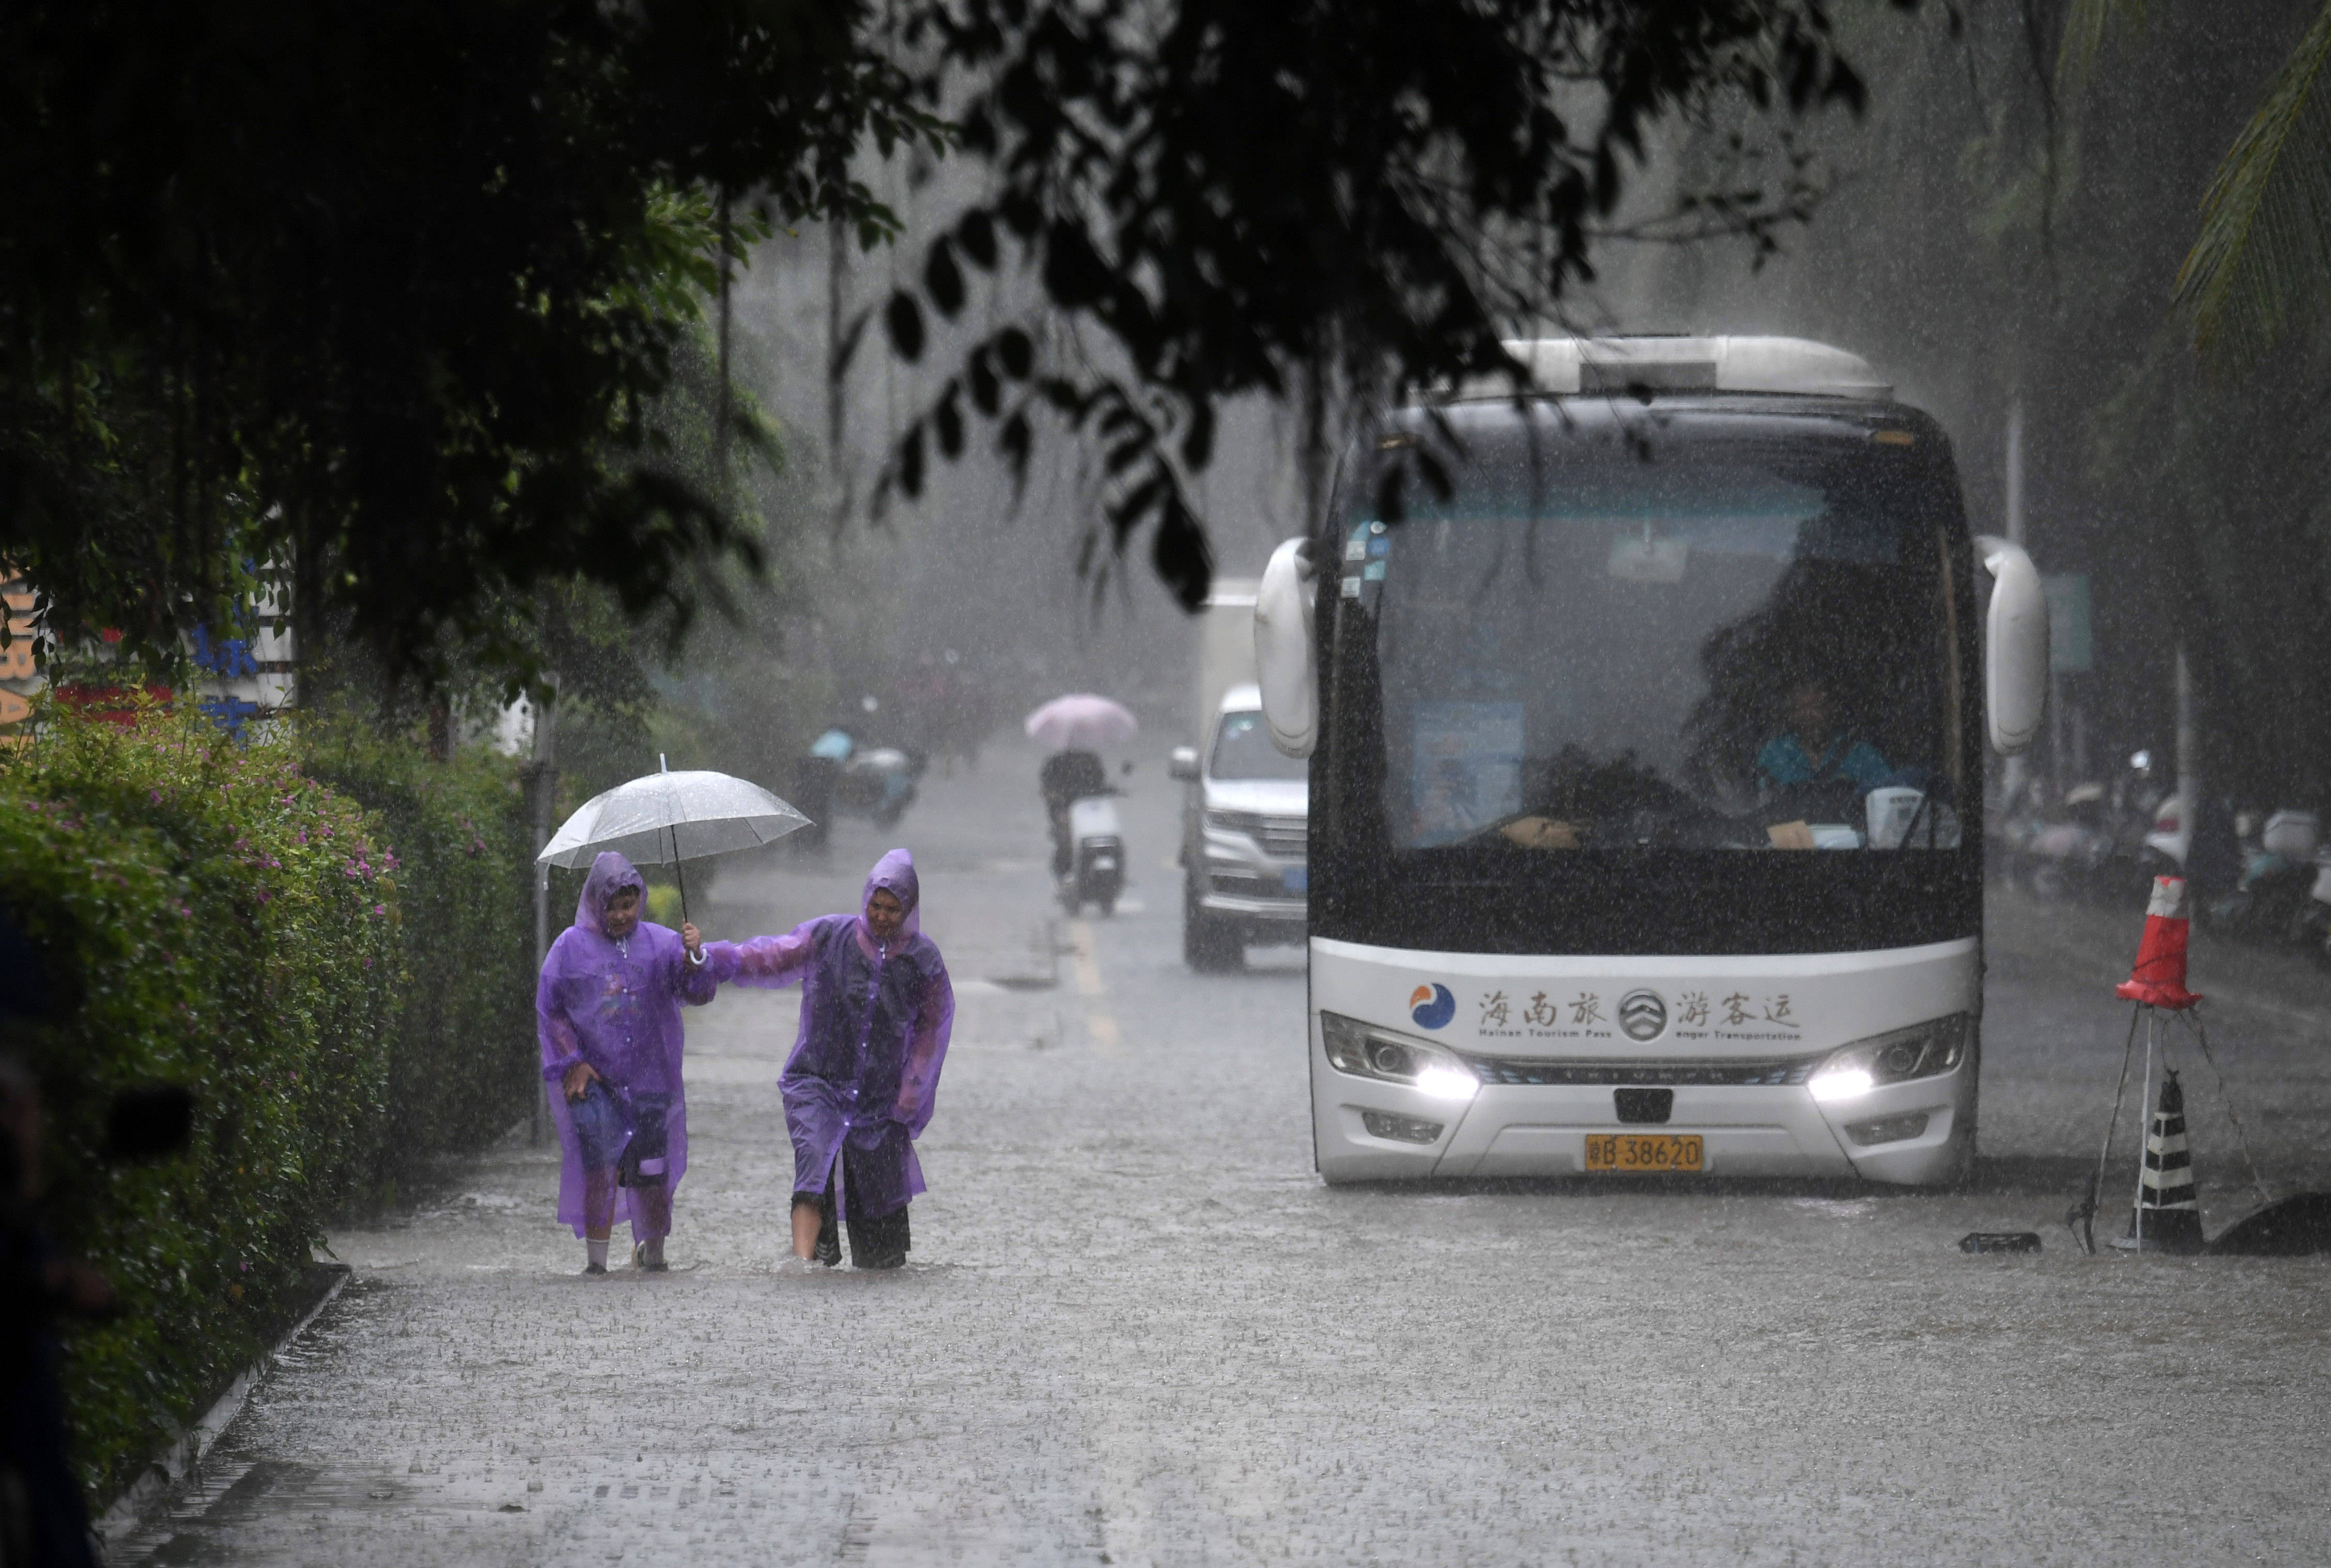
[1137,1329]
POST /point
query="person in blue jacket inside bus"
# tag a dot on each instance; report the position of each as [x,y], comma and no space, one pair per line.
[1817,748]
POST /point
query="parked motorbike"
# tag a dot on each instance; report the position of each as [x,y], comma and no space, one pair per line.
[866,781]
[1096,855]
[2314,928]
[2274,902]
[2098,844]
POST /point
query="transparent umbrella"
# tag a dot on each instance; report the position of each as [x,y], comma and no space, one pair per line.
[668,817]
[1081,722]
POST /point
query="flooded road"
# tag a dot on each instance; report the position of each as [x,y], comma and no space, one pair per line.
[1136,1328]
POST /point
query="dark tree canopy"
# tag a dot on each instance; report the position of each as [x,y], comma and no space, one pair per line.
[390,293]
[393,286]
[1230,191]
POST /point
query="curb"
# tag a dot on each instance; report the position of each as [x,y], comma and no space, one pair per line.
[167,1470]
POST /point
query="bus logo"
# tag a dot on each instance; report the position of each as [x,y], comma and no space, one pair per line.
[1642,1014]
[1431,1005]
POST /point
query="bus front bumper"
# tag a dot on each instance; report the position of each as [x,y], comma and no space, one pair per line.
[1554,1041]
[1909,1133]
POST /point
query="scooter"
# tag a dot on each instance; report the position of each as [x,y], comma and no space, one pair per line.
[2313,928]
[2275,901]
[877,782]
[1096,855]
[2101,843]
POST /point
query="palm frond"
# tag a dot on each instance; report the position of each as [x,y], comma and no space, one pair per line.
[2263,252]
[2086,25]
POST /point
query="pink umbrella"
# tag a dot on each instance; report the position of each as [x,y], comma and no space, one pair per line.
[1081,723]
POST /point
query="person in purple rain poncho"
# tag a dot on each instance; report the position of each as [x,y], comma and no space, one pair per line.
[608,1013]
[876,1011]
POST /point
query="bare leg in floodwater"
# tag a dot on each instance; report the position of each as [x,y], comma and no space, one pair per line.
[598,1215]
[651,1223]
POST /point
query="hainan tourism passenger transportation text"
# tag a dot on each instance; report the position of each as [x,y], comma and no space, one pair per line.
[1647,754]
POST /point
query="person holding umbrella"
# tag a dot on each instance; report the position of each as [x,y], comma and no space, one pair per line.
[876,1010]
[607,1013]
[608,1004]
[1076,727]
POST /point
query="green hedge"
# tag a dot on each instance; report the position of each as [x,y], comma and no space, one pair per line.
[230,922]
[465,1063]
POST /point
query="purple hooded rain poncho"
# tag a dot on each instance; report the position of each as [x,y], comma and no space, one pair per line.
[874,1025]
[616,1005]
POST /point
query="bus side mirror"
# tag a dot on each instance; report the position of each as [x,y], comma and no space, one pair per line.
[1182,764]
[1285,666]
[2015,648]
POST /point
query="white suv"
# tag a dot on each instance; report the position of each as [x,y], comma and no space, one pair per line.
[1245,837]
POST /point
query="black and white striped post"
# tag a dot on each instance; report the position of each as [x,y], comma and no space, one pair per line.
[2168,1217]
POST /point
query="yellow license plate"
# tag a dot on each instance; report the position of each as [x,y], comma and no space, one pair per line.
[1646,1152]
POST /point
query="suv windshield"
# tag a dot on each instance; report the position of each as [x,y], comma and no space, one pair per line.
[1706,637]
[1242,750]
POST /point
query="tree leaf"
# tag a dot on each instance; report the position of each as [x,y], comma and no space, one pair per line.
[1016,440]
[942,278]
[910,459]
[986,391]
[2263,251]
[977,232]
[1179,553]
[1198,440]
[2087,24]
[904,318]
[948,419]
[1017,353]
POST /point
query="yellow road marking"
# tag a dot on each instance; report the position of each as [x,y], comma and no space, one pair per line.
[1099,1026]
[1088,971]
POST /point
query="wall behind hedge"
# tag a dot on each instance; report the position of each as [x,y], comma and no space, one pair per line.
[334,984]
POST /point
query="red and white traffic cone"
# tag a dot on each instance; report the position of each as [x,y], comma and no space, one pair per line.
[2158,979]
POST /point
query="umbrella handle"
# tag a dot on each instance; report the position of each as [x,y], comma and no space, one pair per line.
[679,873]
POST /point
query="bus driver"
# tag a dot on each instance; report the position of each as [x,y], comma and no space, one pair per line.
[1816,748]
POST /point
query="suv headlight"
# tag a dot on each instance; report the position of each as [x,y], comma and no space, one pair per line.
[1922,1051]
[1363,1050]
[1247,822]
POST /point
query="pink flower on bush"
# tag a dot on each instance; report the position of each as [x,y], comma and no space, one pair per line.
[380,908]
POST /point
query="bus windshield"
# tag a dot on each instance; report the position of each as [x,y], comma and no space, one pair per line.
[1694,637]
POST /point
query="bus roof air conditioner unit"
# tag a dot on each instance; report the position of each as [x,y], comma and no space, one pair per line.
[1791,366]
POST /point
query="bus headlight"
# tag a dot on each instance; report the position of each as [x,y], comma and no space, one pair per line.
[1363,1050]
[1922,1051]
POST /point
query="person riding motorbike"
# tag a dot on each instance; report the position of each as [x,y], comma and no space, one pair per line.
[1066,777]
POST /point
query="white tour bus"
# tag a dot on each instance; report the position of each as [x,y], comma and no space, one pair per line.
[1646,715]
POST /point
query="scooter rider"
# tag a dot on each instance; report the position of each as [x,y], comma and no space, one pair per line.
[1066,777]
